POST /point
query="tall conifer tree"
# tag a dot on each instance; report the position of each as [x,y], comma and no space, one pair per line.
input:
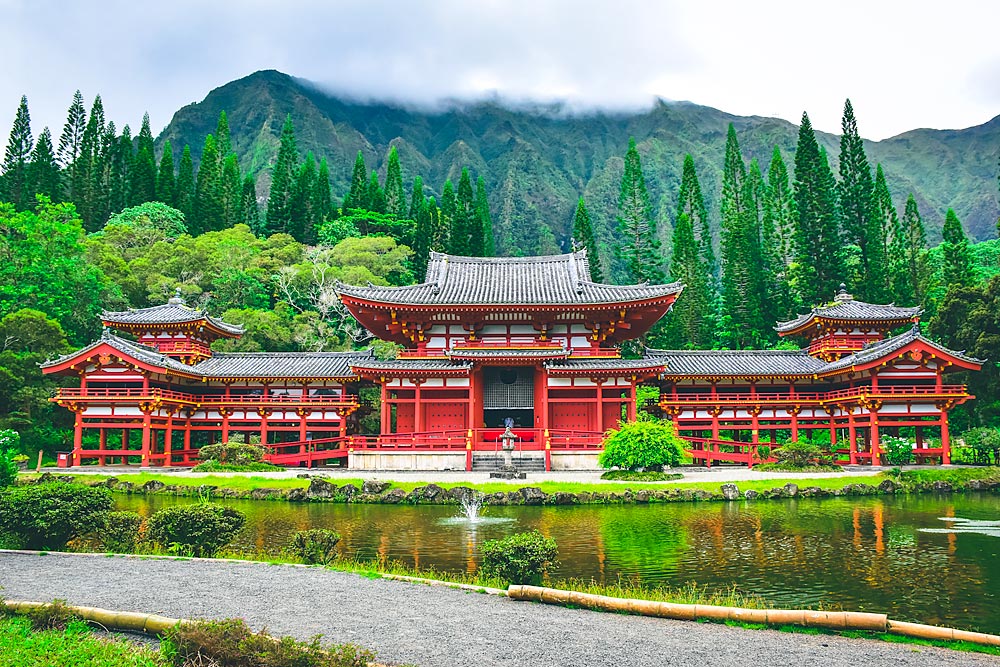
[186,186]
[302,219]
[484,220]
[640,248]
[122,162]
[423,238]
[915,242]
[144,172]
[322,199]
[88,188]
[223,140]
[583,235]
[166,184]
[376,195]
[43,170]
[691,203]
[357,196]
[417,199]
[449,205]
[395,196]
[892,240]
[781,207]
[209,213]
[283,180]
[957,254]
[231,185]
[691,323]
[251,210]
[820,266]
[69,141]
[439,225]
[16,158]
[861,225]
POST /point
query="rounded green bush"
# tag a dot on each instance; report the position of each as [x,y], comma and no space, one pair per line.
[521,558]
[48,516]
[122,532]
[898,451]
[317,546]
[197,530]
[647,444]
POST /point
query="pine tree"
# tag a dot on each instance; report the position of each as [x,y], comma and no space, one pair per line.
[439,224]
[583,236]
[375,196]
[776,228]
[484,221]
[231,191]
[251,210]
[417,199]
[283,179]
[915,243]
[144,172]
[209,214]
[892,240]
[87,187]
[957,254]
[449,205]
[302,219]
[166,184]
[856,203]
[186,186]
[16,158]
[69,141]
[691,322]
[640,248]
[819,260]
[322,199]
[43,170]
[465,237]
[395,196]
[781,207]
[691,203]
[357,197]
[122,162]
[223,140]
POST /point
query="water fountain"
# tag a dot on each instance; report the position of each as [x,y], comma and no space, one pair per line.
[472,512]
[472,504]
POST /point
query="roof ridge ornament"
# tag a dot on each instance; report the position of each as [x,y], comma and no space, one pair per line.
[843,296]
[177,299]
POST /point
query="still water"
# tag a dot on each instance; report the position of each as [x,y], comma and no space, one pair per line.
[893,555]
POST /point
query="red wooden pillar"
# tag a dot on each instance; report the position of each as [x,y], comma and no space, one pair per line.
[302,413]
[876,455]
[630,409]
[544,397]
[225,411]
[385,414]
[104,445]
[263,425]
[945,439]
[852,435]
[168,440]
[418,412]
[124,445]
[75,457]
[600,404]
[147,428]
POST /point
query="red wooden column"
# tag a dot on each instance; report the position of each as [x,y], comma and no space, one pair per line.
[385,414]
[104,445]
[225,411]
[630,408]
[945,439]
[147,428]
[75,457]
[873,415]
[124,445]
[600,403]
[852,434]
[794,411]
[418,412]
[168,440]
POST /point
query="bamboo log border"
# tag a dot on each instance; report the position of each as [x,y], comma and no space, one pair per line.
[829,620]
[129,621]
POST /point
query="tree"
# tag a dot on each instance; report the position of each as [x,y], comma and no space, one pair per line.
[781,207]
[144,173]
[893,241]
[691,203]
[89,191]
[166,184]
[776,229]
[251,210]
[16,158]
[423,237]
[376,195]
[395,197]
[186,185]
[484,221]
[121,165]
[691,322]
[819,261]
[583,236]
[640,249]
[302,219]
[223,141]
[322,199]
[465,237]
[209,211]
[957,254]
[69,141]
[231,191]
[357,197]
[417,199]
[283,179]
[645,444]
[915,247]
[861,224]
[449,205]
[43,170]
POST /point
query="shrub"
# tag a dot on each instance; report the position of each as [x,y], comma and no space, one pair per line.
[231,643]
[9,443]
[651,444]
[984,443]
[122,532]
[48,516]
[632,476]
[215,466]
[317,546]
[519,559]
[794,455]
[898,451]
[235,452]
[199,530]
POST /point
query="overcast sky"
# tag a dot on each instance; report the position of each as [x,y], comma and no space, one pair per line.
[903,64]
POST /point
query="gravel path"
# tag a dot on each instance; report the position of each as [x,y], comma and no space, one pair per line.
[430,625]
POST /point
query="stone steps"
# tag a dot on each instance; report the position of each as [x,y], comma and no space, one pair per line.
[489,463]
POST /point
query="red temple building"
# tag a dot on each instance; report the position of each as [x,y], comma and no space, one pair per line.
[490,342]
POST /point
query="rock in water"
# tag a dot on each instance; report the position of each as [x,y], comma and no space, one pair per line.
[730,492]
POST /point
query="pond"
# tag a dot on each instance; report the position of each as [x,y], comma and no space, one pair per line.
[885,554]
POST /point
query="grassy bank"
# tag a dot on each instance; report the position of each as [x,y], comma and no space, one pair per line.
[412,491]
[21,644]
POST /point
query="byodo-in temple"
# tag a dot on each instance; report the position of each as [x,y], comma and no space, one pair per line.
[532,343]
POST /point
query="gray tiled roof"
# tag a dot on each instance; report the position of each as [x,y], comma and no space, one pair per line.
[139,352]
[512,352]
[882,348]
[168,313]
[851,310]
[546,280]
[738,362]
[647,363]
[413,365]
[282,364]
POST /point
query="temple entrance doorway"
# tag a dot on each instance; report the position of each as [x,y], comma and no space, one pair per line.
[509,394]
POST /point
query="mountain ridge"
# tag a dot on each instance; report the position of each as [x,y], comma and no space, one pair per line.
[536,165]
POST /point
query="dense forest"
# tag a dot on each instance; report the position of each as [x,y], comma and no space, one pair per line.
[103,220]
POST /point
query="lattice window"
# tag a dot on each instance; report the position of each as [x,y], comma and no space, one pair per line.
[508,389]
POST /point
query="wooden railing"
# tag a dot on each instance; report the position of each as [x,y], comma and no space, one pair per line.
[819,398]
[708,450]
[153,393]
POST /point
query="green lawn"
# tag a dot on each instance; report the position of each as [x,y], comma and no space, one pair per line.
[21,646]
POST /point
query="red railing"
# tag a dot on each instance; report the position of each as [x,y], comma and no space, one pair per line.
[844,343]
[140,394]
[814,397]
[709,450]
[502,346]
[178,346]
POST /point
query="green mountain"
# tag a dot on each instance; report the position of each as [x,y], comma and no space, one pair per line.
[537,160]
